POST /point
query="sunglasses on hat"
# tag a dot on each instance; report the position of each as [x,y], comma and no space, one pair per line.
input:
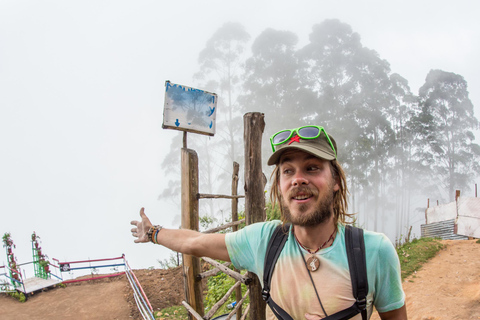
[305,132]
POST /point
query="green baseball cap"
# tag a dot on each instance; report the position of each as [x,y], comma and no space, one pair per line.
[319,147]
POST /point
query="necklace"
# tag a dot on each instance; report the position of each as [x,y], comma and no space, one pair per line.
[313,263]
[313,266]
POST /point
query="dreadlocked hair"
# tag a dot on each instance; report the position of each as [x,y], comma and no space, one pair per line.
[340,198]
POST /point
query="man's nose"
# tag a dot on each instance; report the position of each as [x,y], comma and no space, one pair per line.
[298,180]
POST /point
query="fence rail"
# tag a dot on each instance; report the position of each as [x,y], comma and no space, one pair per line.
[141,299]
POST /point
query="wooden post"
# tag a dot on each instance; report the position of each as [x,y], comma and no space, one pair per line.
[254,125]
[191,264]
[236,168]
[428,206]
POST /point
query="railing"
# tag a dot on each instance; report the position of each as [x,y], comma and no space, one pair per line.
[143,305]
[67,267]
[16,282]
[5,283]
[141,299]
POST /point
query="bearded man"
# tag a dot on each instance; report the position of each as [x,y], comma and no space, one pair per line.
[311,278]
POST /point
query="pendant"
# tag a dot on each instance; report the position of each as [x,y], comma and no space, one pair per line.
[313,263]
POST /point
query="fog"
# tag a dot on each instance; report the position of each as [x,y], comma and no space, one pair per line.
[81,100]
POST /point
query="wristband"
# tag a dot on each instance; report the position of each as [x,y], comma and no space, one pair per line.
[152,233]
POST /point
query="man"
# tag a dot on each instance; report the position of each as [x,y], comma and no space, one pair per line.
[311,278]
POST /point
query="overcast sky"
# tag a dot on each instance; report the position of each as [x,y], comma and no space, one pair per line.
[82,89]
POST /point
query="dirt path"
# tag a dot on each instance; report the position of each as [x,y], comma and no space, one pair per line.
[110,298]
[448,286]
[105,300]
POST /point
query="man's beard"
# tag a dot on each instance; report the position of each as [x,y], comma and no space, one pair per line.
[321,213]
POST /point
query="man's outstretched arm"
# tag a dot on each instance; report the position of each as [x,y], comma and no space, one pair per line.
[181,240]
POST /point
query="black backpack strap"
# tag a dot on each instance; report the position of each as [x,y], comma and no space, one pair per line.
[275,246]
[355,247]
[358,266]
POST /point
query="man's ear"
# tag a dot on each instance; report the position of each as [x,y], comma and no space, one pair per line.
[336,186]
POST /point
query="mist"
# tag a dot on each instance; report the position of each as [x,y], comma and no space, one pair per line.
[82,91]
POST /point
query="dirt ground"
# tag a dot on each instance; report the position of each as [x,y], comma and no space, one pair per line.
[447,287]
[108,298]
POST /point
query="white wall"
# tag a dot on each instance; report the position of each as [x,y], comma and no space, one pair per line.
[468,222]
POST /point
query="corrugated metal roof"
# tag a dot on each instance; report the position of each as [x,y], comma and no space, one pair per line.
[442,229]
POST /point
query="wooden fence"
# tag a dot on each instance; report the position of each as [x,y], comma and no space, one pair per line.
[254,212]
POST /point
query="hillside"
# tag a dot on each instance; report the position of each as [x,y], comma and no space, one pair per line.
[447,287]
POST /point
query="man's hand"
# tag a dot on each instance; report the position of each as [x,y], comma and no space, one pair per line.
[140,232]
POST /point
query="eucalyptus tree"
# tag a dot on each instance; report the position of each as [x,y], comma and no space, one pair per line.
[447,123]
[271,83]
[220,66]
[406,171]
[352,99]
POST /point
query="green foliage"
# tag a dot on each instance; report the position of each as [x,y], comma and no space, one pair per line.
[217,288]
[18,295]
[173,261]
[478,241]
[206,222]
[273,213]
[7,241]
[413,255]
[5,237]
[44,263]
[173,312]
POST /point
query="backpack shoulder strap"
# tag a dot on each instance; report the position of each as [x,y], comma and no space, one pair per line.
[274,248]
[355,246]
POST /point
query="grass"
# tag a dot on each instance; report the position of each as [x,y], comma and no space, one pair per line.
[414,254]
[17,295]
[173,313]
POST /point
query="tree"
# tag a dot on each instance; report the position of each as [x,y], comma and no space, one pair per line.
[447,124]
[271,83]
[221,64]
[352,100]
[271,79]
[406,171]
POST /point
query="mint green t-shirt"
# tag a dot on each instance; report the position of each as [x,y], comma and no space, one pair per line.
[291,287]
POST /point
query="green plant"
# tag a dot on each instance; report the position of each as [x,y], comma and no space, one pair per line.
[173,261]
[414,254]
[173,312]
[43,263]
[273,213]
[478,241]
[17,295]
[217,288]
[206,222]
